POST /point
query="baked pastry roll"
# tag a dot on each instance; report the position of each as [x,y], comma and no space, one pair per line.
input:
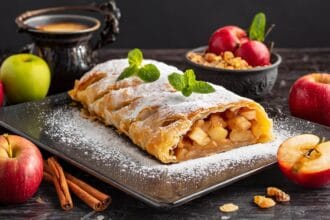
[162,121]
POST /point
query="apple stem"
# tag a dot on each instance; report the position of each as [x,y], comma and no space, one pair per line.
[269,30]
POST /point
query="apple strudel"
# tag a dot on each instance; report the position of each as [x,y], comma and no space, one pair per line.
[162,121]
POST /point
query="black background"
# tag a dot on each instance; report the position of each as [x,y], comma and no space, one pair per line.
[188,23]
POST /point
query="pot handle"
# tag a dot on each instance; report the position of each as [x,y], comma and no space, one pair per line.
[110,30]
[108,9]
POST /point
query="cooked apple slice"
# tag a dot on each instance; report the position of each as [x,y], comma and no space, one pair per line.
[217,120]
[199,123]
[199,136]
[217,133]
[249,114]
[305,161]
[239,123]
[241,136]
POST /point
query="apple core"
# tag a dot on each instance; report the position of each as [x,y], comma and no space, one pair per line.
[307,154]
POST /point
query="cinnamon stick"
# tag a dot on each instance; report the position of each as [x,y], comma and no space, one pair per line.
[103,198]
[46,168]
[61,184]
[91,196]
[86,197]
[47,176]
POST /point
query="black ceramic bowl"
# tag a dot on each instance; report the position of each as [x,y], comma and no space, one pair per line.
[253,83]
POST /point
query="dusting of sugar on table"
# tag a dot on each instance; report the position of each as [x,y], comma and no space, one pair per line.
[104,145]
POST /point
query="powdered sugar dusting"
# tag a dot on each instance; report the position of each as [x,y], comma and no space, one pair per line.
[169,102]
[103,150]
[105,147]
[105,153]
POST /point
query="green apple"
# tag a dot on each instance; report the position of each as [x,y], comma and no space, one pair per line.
[26,77]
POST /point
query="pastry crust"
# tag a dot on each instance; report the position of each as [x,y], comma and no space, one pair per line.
[157,118]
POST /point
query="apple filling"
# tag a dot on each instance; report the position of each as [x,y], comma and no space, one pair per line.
[218,132]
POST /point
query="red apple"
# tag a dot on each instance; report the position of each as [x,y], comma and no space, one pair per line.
[254,52]
[244,40]
[227,38]
[21,169]
[2,93]
[309,98]
[304,160]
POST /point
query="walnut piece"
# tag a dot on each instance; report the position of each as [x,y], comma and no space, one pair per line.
[226,60]
[228,207]
[264,202]
[278,194]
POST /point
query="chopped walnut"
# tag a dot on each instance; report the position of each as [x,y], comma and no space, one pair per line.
[264,202]
[211,57]
[278,194]
[226,60]
[228,207]
[228,55]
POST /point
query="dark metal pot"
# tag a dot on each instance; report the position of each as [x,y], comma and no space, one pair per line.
[68,54]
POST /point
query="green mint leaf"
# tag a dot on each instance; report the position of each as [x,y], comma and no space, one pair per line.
[257,28]
[149,73]
[188,84]
[135,57]
[187,91]
[190,77]
[128,72]
[202,87]
[177,81]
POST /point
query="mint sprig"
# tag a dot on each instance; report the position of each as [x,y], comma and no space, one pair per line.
[135,57]
[187,84]
[148,73]
[257,28]
[128,72]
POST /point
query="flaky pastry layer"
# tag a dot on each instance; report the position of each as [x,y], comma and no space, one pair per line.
[166,124]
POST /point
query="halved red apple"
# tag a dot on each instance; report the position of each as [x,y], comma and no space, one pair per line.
[304,160]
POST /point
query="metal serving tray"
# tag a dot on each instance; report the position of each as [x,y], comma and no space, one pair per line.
[55,125]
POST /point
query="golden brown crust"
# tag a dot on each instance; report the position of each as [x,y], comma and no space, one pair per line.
[153,115]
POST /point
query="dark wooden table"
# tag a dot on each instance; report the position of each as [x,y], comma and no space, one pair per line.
[305,203]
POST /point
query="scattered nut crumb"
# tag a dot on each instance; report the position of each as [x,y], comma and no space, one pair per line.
[264,202]
[228,207]
[278,194]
